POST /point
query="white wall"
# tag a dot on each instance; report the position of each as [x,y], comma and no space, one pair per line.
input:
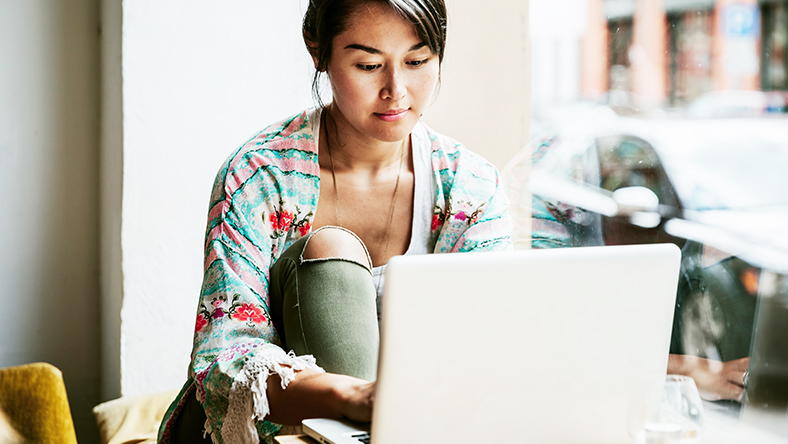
[49,114]
[485,78]
[199,78]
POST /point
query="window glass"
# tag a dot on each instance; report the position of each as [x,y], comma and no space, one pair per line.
[667,121]
[628,162]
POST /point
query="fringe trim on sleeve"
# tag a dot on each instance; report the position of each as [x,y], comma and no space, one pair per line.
[248,401]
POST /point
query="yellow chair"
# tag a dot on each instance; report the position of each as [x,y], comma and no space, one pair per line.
[34,399]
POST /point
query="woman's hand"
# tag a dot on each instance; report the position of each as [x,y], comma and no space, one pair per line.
[358,401]
[716,380]
[320,395]
[721,380]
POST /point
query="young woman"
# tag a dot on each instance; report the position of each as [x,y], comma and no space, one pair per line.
[305,215]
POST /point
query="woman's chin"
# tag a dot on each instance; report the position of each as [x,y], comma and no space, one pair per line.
[395,131]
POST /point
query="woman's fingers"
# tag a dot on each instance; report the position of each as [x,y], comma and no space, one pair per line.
[359,402]
[734,371]
[731,391]
[718,380]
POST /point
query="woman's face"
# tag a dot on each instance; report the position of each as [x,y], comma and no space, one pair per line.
[382,75]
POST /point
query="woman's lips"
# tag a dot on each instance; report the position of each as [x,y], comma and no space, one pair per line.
[392,115]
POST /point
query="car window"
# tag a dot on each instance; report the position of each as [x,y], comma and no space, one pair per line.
[629,162]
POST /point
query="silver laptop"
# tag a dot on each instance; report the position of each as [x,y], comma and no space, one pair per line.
[542,346]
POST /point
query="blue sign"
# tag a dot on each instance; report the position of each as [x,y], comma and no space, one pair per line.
[741,20]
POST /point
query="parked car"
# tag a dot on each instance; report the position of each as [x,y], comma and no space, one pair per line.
[713,187]
[738,103]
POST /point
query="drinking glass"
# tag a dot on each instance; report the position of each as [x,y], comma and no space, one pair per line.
[666,411]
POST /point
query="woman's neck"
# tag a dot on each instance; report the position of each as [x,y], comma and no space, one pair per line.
[351,150]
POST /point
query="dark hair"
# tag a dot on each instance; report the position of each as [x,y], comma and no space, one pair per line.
[325,19]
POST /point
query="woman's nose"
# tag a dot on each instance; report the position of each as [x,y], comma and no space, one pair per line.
[394,87]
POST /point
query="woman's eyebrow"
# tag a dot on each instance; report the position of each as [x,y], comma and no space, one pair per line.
[363,48]
[371,50]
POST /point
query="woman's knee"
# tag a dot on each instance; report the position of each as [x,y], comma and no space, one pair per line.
[333,243]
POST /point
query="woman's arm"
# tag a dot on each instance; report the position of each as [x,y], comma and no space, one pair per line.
[716,380]
[256,206]
[320,395]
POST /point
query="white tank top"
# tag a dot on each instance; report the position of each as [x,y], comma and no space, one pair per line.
[423,202]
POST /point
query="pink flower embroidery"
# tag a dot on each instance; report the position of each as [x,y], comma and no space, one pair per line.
[218,313]
[436,221]
[249,312]
[285,219]
[460,215]
[201,323]
[304,229]
[282,222]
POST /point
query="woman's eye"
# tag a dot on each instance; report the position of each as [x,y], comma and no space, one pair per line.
[418,62]
[364,67]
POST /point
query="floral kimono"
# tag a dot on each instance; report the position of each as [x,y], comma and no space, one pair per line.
[263,200]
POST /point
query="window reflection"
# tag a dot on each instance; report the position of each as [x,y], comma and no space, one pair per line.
[690,42]
[676,130]
[775,61]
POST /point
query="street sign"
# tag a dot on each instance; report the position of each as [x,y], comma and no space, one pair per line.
[741,20]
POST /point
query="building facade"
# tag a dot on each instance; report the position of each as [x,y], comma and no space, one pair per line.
[667,52]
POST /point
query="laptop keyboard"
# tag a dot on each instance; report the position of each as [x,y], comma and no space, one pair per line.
[362,437]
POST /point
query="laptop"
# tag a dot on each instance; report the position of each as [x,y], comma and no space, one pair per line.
[542,346]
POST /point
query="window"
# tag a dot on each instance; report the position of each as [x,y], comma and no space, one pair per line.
[677,132]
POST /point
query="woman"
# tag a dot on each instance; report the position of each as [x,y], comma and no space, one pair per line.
[305,215]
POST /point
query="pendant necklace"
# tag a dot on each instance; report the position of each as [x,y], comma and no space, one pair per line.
[393,201]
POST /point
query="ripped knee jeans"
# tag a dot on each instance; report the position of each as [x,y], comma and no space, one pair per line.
[326,307]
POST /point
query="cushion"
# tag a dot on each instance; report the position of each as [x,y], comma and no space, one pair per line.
[133,419]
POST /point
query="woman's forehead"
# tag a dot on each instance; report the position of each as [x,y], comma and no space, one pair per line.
[373,23]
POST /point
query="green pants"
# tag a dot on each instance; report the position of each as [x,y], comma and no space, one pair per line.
[323,307]
[326,307]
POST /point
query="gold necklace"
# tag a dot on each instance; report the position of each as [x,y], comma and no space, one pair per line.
[393,202]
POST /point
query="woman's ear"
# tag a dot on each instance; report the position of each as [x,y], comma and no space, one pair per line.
[312,48]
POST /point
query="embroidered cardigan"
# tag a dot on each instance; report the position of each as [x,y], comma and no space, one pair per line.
[263,200]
